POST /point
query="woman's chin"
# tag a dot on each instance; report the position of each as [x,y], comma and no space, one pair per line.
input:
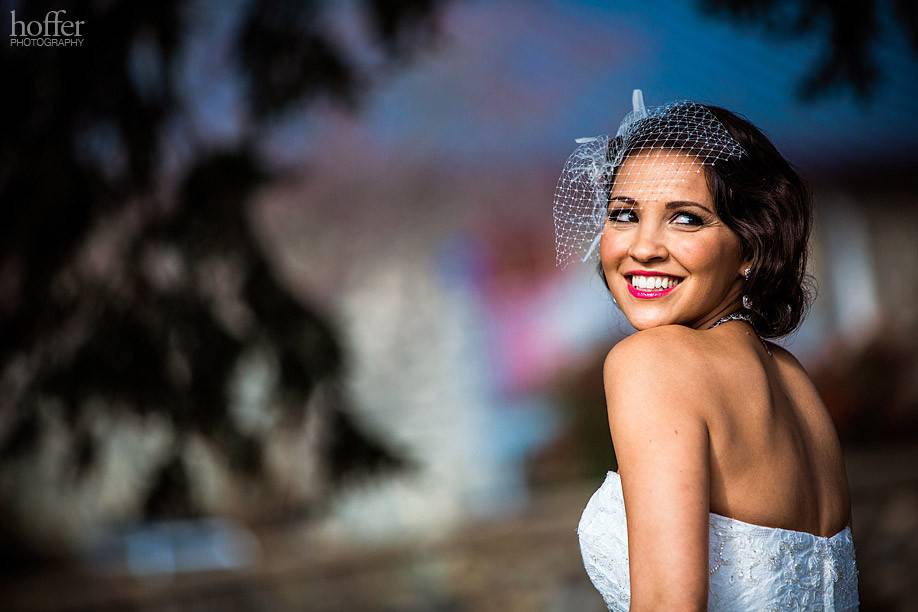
[643,326]
[645,315]
[647,322]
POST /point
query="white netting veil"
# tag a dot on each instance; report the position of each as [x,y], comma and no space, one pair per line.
[681,137]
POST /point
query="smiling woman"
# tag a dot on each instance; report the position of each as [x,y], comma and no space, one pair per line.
[731,492]
[750,198]
[668,230]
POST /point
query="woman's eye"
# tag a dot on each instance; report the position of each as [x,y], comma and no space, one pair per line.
[685,218]
[622,215]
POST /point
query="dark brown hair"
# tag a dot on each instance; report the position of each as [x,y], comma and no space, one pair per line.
[763,199]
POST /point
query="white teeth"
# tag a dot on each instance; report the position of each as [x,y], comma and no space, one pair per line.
[650,283]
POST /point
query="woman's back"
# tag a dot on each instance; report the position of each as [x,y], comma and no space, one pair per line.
[777,531]
[775,456]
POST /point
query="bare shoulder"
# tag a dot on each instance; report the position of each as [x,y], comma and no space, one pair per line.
[673,350]
[662,339]
[792,370]
[800,387]
[785,357]
[668,365]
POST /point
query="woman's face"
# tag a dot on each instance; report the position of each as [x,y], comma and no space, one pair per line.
[662,221]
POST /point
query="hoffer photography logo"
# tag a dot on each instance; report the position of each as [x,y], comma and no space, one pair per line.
[54,31]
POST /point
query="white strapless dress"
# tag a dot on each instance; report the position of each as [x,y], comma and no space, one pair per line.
[751,567]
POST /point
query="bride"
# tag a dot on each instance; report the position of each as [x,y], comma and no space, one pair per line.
[731,492]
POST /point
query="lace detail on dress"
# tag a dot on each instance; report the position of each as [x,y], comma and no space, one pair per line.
[751,567]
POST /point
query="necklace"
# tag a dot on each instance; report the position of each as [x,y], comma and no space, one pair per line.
[733,316]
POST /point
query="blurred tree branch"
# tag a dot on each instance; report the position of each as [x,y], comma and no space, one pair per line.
[182,290]
[851,32]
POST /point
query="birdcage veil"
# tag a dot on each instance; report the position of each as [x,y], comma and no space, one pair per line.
[683,135]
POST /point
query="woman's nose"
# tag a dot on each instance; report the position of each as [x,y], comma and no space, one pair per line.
[647,245]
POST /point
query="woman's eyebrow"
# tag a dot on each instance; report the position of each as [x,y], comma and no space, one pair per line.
[681,203]
[669,205]
[625,199]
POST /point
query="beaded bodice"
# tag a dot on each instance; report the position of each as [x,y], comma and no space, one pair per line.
[751,567]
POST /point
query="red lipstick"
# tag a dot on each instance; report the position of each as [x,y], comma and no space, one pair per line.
[645,295]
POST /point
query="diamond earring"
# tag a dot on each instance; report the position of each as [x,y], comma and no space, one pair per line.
[747,303]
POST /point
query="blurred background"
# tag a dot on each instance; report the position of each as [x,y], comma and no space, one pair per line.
[281,326]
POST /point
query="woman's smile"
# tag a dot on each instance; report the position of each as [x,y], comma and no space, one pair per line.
[654,286]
